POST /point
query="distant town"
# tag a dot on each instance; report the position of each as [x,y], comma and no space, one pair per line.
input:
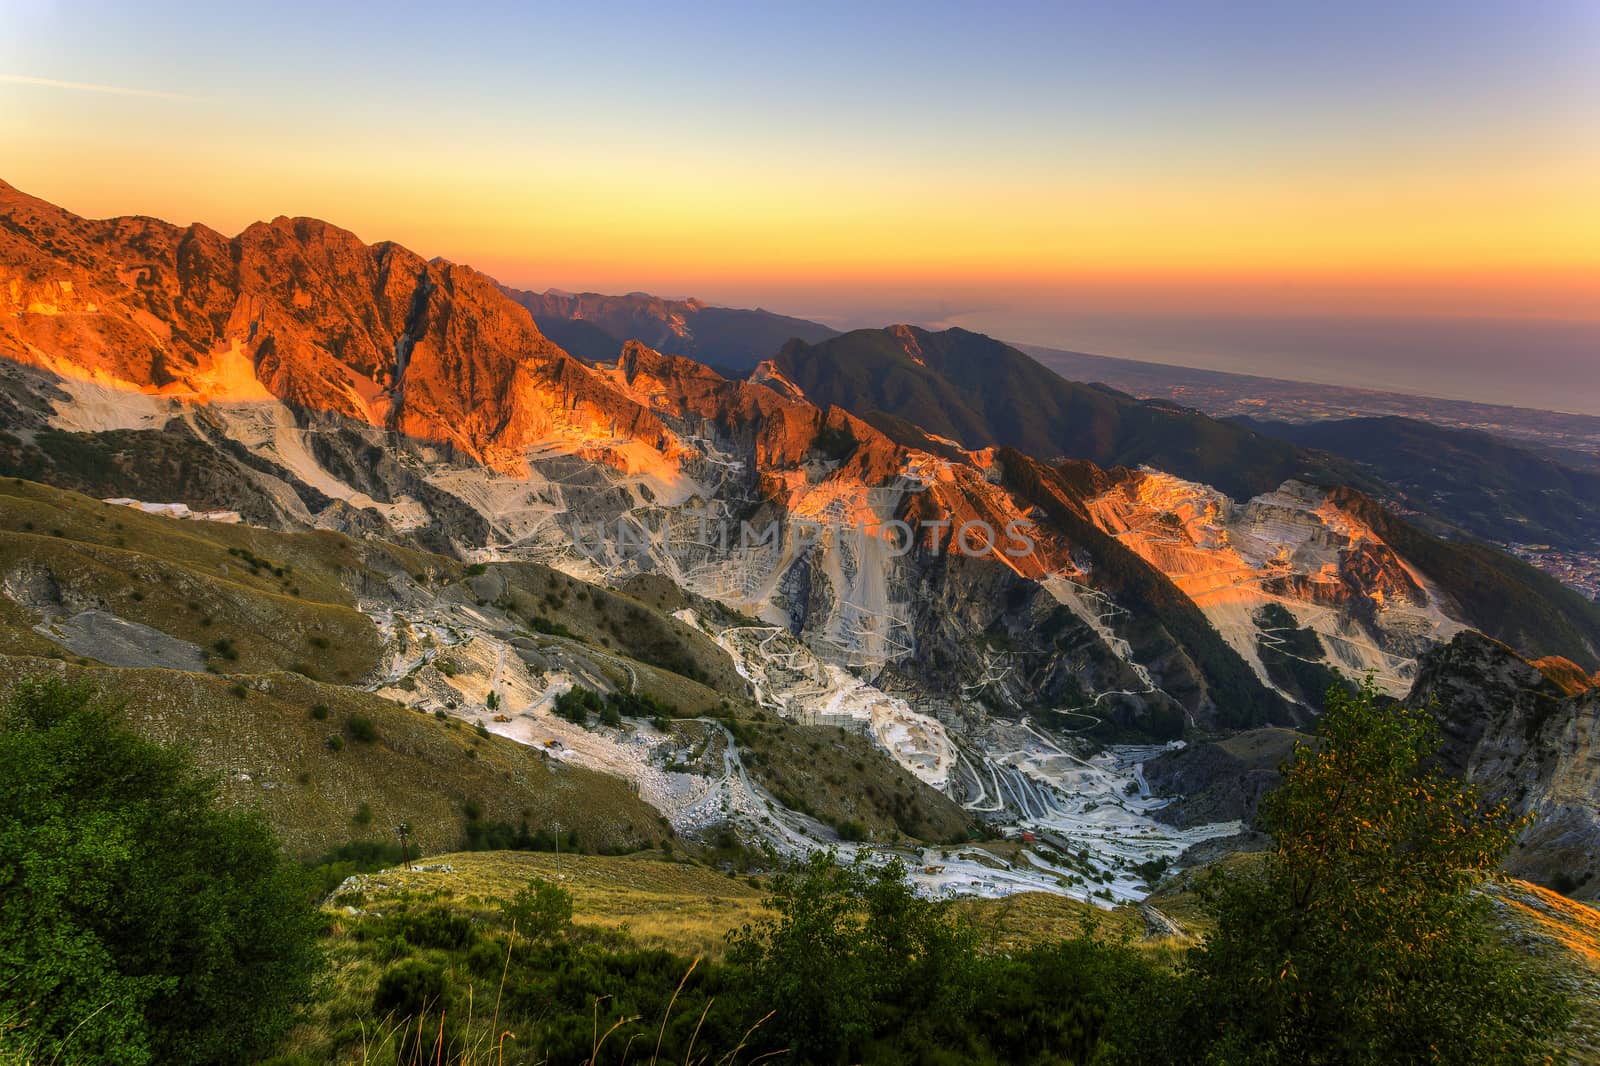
[1575,569]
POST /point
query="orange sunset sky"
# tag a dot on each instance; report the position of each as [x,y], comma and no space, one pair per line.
[1395,158]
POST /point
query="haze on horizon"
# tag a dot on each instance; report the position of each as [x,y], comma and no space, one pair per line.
[1039,172]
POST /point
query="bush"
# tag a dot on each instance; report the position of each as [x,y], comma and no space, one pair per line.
[541,624]
[438,927]
[540,910]
[577,703]
[138,916]
[484,835]
[358,856]
[319,712]
[852,954]
[335,742]
[361,729]
[850,829]
[409,988]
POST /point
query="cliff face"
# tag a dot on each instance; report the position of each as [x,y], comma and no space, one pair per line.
[302,312]
[1529,738]
[1290,564]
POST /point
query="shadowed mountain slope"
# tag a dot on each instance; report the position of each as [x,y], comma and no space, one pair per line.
[981,392]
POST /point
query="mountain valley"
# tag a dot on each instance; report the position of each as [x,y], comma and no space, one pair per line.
[853,600]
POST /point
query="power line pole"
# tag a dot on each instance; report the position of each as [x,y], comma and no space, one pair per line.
[403,831]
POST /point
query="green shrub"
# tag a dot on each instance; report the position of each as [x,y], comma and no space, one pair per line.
[577,703]
[409,988]
[138,916]
[358,856]
[540,910]
[438,927]
[361,729]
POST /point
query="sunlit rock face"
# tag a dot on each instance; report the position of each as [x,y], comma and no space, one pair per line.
[302,312]
[1293,548]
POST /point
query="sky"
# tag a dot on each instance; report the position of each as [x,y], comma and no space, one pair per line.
[862,162]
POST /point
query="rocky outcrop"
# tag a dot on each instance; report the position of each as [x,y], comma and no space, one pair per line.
[1317,565]
[1221,780]
[1527,738]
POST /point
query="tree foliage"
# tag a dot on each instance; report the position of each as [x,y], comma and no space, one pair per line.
[139,921]
[539,910]
[858,967]
[1362,938]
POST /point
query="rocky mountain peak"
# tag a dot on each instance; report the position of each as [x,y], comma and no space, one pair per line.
[302,312]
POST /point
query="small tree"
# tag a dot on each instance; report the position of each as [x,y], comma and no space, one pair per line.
[1362,938]
[540,909]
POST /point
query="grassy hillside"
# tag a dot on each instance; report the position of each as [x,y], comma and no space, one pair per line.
[625,906]
[682,906]
[245,645]
[610,620]
[269,743]
[249,599]
[843,780]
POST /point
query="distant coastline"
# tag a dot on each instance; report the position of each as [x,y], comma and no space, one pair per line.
[1544,364]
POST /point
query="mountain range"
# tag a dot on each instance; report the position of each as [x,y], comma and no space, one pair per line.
[979,392]
[593,327]
[1180,576]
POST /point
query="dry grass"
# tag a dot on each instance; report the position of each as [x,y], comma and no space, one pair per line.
[271,752]
[1562,937]
[280,599]
[839,777]
[689,908]
[680,907]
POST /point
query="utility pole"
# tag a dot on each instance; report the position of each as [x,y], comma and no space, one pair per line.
[403,831]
